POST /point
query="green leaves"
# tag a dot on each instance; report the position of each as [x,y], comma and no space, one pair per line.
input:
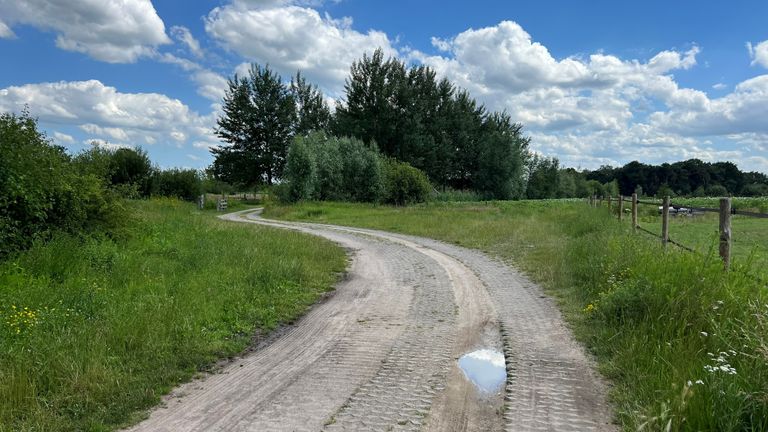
[41,190]
[261,117]
[330,168]
[427,123]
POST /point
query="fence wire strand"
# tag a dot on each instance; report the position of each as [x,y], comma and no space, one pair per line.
[754,277]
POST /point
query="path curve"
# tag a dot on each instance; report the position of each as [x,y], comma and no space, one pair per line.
[380,353]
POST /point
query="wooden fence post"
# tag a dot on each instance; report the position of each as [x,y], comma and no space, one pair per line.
[665,222]
[634,212]
[609,203]
[725,232]
[621,206]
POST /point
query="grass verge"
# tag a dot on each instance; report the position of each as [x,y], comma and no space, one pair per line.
[94,330]
[685,344]
[749,237]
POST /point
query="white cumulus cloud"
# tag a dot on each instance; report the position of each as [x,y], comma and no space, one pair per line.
[107,114]
[211,85]
[599,108]
[742,111]
[292,38]
[115,31]
[759,53]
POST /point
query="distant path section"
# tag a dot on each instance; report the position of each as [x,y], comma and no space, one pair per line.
[381,352]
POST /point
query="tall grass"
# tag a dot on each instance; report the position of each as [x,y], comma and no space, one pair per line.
[685,344]
[94,330]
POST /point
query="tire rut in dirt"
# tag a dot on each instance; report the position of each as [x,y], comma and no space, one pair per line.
[552,384]
[400,395]
[473,325]
[308,373]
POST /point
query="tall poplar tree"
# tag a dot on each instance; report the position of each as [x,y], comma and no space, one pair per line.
[258,123]
[312,113]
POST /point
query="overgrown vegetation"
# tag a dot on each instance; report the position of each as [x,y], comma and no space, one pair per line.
[404,113]
[105,303]
[94,329]
[684,343]
[42,192]
[321,167]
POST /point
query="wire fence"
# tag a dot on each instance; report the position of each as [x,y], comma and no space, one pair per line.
[725,211]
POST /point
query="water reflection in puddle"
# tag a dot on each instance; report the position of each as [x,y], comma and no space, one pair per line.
[485,368]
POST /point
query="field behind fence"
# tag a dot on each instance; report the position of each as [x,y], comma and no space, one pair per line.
[735,229]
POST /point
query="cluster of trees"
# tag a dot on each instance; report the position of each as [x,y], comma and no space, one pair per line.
[129,172]
[407,114]
[44,190]
[323,167]
[432,125]
[692,177]
[404,113]
[546,179]
[261,116]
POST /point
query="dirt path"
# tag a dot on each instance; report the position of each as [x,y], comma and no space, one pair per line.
[381,353]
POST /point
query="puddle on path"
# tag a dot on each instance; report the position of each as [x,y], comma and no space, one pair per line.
[485,368]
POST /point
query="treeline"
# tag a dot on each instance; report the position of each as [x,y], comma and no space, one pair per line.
[407,114]
[400,112]
[44,190]
[692,177]
[547,179]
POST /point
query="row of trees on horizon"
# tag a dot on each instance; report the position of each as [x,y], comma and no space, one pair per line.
[403,113]
[406,113]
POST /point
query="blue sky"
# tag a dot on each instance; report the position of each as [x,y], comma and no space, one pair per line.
[598,82]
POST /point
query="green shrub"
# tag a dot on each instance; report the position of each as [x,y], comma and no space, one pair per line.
[178,183]
[329,160]
[126,171]
[755,189]
[131,167]
[329,168]
[717,190]
[42,191]
[97,161]
[301,169]
[362,176]
[405,184]
[451,195]
[212,185]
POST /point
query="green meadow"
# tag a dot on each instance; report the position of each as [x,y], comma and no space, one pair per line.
[94,329]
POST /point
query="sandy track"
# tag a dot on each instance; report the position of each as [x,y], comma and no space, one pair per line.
[380,354]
